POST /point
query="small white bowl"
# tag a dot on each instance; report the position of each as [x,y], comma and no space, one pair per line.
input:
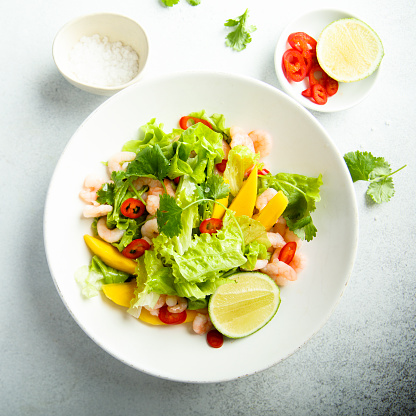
[349,94]
[113,26]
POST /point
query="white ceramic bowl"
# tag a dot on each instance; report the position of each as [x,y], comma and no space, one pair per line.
[312,23]
[301,146]
[116,28]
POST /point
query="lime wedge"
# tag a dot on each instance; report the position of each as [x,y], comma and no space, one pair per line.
[349,50]
[242,308]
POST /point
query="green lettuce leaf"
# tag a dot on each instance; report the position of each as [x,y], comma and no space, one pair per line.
[91,278]
[303,194]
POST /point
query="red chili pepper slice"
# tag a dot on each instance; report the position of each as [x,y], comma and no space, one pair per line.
[176,180]
[210,225]
[221,166]
[170,318]
[184,122]
[263,172]
[287,252]
[132,208]
[309,61]
[295,65]
[215,339]
[307,93]
[302,41]
[136,248]
[331,86]
[317,76]
[319,94]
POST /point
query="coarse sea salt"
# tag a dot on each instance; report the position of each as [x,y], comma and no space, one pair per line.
[97,61]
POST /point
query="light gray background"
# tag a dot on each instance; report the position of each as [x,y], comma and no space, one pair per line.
[361,362]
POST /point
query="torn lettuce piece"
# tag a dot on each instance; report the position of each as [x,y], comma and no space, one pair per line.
[92,277]
[240,158]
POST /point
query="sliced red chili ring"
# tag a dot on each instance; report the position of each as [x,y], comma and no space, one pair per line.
[176,180]
[307,93]
[287,252]
[313,79]
[319,94]
[210,225]
[331,86]
[263,172]
[302,41]
[215,339]
[132,208]
[184,122]
[221,166]
[295,65]
[170,318]
[136,249]
[309,61]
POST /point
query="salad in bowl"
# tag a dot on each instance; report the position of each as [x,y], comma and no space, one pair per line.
[192,226]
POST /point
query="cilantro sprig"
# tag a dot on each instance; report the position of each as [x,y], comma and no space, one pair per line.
[363,166]
[170,3]
[240,36]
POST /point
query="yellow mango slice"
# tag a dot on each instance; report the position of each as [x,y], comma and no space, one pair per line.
[218,211]
[243,203]
[110,255]
[269,215]
[122,293]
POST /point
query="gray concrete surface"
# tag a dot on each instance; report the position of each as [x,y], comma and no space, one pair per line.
[361,363]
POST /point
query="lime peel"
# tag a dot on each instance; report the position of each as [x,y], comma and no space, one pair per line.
[349,50]
[239,309]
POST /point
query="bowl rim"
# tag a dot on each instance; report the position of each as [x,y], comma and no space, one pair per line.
[174,76]
[281,78]
[98,87]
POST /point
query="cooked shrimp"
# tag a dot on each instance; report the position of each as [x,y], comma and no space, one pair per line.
[264,198]
[92,184]
[151,183]
[94,211]
[280,272]
[291,236]
[276,240]
[226,148]
[260,264]
[262,142]
[240,137]
[298,262]
[201,324]
[153,198]
[150,229]
[111,236]
[116,162]
[176,304]
[155,310]
[280,226]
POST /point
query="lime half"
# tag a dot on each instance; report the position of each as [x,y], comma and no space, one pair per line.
[242,308]
[349,50]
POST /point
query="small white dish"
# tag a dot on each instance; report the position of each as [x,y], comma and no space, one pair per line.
[313,23]
[113,26]
[175,352]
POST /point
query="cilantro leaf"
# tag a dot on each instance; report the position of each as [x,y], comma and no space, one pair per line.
[382,190]
[106,194]
[170,3]
[240,36]
[149,162]
[169,216]
[215,188]
[363,166]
